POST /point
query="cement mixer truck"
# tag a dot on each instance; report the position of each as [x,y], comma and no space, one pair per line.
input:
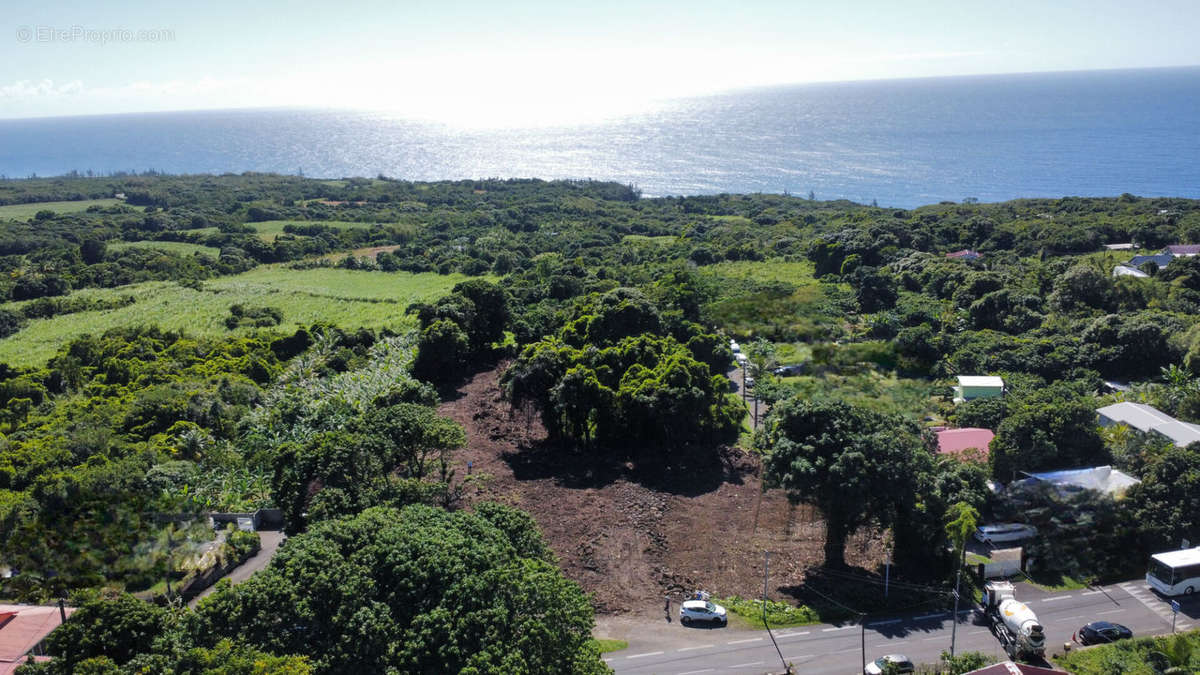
[1013,623]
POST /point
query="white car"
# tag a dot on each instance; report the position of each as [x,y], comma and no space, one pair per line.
[899,662]
[1003,532]
[702,611]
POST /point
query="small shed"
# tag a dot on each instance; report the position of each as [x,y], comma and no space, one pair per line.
[971,387]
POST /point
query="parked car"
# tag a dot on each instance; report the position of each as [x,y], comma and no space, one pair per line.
[1101,633]
[749,382]
[1002,532]
[785,371]
[702,611]
[899,662]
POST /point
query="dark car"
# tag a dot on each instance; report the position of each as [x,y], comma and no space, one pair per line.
[1101,633]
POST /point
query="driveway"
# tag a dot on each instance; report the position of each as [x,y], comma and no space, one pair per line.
[270,543]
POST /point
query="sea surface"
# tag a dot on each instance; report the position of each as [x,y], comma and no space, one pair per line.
[899,143]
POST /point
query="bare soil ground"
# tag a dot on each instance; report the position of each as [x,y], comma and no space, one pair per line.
[631,533]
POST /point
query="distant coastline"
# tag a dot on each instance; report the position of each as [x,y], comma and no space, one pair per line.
[897,143]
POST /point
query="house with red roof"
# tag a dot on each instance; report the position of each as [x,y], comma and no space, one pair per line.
[965,254]
[22,629]
[955,441]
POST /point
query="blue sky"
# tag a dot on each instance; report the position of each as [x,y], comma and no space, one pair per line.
[475,62]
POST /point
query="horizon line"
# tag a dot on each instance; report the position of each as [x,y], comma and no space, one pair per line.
[720,92]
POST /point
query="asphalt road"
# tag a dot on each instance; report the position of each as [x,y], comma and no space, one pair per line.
[822,649]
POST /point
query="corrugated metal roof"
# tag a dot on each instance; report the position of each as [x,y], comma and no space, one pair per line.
[1146,418]
[980,381]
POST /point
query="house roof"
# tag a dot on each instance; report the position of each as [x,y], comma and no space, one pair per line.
[1160,259]
[965,253]
[1119,247]
[957,440]
[29,625]
[1127,271]
[1100,478]
[1010,668]
[980,381]
[1184,249]
[1146,418]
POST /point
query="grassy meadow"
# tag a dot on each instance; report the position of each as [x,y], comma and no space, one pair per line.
[24,211]
[180,247]
[350,299]
[268,230]
[776,299]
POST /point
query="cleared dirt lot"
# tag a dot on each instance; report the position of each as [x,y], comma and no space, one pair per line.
[630,533]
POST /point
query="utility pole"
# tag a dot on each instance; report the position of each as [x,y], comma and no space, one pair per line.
[954,617]
[887,573]
[862,622]
[743,383]
[766,569]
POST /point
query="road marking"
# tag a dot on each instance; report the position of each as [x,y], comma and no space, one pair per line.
[693,672]
[1061,597]
[739,642]
[1071,618]
[797,657]
[743,665]
[936,637]
[1111,611]
[930,616]
[638,656]
[688,649]
[884,623]
[788,635]
[830,630]
[1091,592]
[979,632]
[843,651]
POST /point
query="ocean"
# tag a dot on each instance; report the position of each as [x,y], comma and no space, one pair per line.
[899,143]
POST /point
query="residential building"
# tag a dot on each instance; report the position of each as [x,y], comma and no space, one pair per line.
[22,629]
[1106,479]
[955,441]
[971,387]
[965,254]
[1187,250]
[1147,419]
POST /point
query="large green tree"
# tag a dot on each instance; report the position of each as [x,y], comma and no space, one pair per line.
[853,464]
[1166,504]
[417,590]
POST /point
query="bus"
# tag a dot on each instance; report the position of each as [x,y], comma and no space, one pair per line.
[1175,572]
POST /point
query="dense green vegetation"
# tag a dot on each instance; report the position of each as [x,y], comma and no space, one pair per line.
[240,341]
[1171,655]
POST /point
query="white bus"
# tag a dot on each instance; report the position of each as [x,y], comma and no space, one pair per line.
[1175,572]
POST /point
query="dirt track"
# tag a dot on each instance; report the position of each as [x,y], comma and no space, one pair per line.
[626,534]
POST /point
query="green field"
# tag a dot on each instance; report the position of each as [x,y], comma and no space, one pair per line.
[180,247]
[350,299]
[268,230]
[775,299]
[23,211]
[645,239]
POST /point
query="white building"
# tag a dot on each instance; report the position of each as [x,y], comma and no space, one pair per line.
[1146,419]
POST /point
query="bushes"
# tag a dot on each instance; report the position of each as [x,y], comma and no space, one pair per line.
[242,545]
[779,614]
[1140,656]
